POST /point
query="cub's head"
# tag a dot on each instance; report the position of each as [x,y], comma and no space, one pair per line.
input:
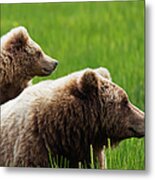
[26,53]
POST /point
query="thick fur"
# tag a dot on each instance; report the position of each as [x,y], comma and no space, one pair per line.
[20,60]
[65,117]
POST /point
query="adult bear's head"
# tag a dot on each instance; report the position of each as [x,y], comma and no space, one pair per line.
[119,118]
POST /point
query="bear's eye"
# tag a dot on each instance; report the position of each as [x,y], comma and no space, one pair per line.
[38,54]
[104,88]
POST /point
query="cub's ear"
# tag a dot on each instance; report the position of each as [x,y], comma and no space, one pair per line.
[16,38]
[104,73]
[88,82]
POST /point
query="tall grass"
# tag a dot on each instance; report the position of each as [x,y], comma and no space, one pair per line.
[91,34]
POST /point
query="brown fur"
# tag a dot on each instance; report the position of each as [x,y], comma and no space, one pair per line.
[65,117]
[20,60]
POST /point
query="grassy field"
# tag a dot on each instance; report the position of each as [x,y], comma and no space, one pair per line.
[81,35]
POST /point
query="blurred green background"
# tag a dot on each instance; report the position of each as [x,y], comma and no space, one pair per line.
[91,34]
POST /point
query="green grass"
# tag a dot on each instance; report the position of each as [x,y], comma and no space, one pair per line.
[81,35]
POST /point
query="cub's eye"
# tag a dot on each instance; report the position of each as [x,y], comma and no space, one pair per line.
[38,54]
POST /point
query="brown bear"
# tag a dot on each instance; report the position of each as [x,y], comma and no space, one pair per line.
[64,117]
[20,60]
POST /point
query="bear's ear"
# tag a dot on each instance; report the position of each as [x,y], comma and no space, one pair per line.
[88,82]
[16,38]
[104,73]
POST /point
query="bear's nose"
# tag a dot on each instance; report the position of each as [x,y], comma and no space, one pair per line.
[55,63]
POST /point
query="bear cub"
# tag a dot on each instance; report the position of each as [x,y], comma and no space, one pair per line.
[20,60]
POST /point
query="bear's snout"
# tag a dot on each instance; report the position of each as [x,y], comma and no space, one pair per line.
[48,65]
[55,63]
[137,122]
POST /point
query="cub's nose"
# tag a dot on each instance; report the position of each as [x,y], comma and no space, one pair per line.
[55,63]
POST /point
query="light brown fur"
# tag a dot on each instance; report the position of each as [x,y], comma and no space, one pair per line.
[65,117]
[20,60]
